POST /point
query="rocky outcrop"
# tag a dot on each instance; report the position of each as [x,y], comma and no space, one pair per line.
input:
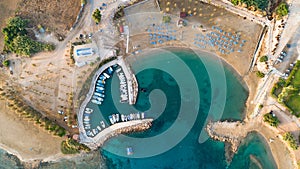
[232,133]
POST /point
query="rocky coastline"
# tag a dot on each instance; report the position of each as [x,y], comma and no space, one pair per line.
[219,131]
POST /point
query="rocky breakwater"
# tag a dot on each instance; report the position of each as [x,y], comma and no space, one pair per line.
[232,133]
[119,128]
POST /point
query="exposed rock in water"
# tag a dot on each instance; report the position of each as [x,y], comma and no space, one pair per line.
[232,133]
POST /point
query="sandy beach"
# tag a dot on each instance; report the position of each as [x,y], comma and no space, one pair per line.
[25,140]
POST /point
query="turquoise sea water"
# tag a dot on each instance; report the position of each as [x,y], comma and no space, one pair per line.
[183,92]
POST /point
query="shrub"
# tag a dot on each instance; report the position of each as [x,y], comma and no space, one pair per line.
[272,120]
[166,19]
[282,9]
[97,16]
[71,146]
[17,41]
[291,140]
[263,59]
[260,74]
[6,63]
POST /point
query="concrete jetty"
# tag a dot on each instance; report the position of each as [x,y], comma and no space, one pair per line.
[131,81]
[114,130]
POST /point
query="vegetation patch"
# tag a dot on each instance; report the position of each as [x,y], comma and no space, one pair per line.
[97,16]
[256,4]
[71,146]
[271,119]
[276,90]
[6,63]
[282,9]
[17,41]
[263,59]
[288,91]
[260,74]
[288,137]
[166,19]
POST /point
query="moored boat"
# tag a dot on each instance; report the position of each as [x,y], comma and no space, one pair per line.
[117,117]
[122,117]
[111,119]
[129,150]
[102,124]
[106,75]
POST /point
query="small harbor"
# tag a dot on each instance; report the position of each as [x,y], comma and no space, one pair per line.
[96,124]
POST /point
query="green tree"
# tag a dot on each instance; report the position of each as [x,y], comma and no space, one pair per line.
[49,47]
[282,9]
[291,140]
[15,27]
[263,59]
[235,2]
[6,63]
[272,120]
[17,41]
[25,46]
[97,15]
[260,74]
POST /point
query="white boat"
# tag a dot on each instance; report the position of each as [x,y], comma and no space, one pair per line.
[122,117]
[114,118]
[118,70]
[95,97]
[102,95]
[143,115]
[131,116]
[138,115]
[117,117]
[87,112]
[97,94]
[110,70]
[102,124]
[89,109]
[96,102]
[129,150]
[94,131]
[99,128]
[106,75]
[100,99]
[101,81]
[111,119]
[99,87]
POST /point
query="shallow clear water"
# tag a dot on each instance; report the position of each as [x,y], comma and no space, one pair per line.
[170,78]
[183,92]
